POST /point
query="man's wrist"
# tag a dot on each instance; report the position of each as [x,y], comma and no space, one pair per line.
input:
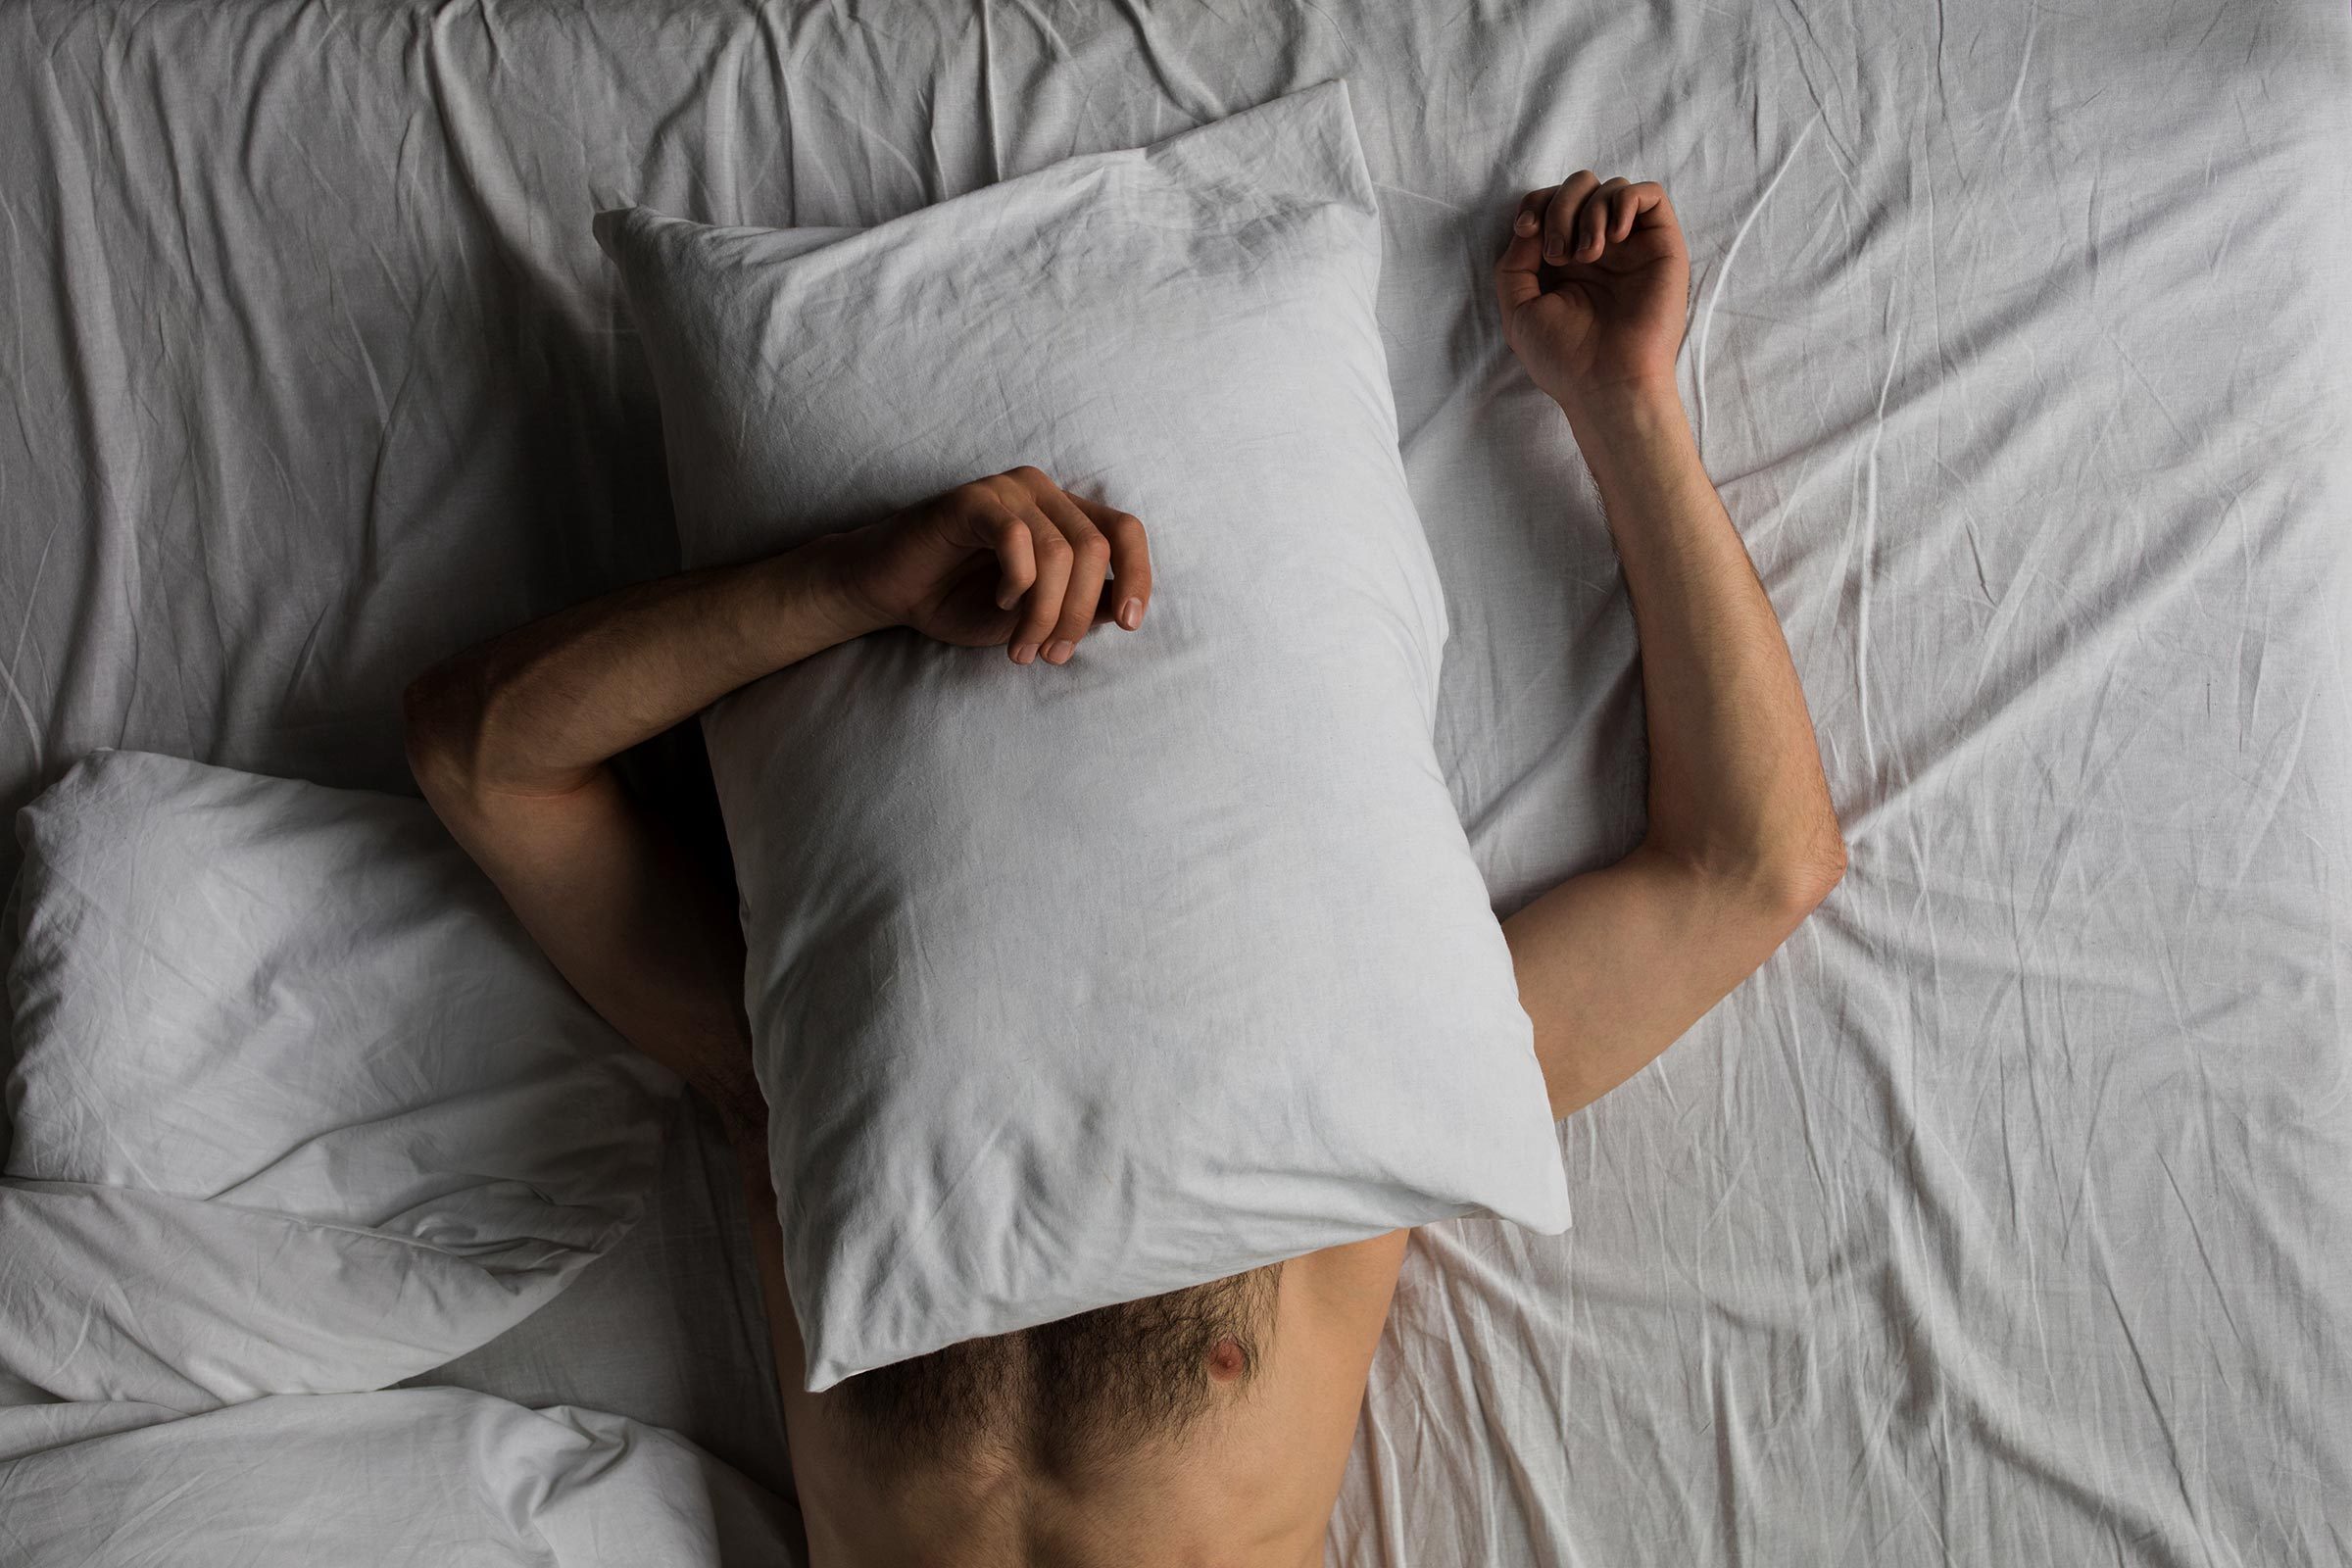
[1648,402]
[809,593]
[1629,428]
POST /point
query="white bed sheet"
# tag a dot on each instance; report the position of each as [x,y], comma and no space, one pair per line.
[2007,1214]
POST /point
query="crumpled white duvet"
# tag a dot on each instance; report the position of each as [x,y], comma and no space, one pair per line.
[298,1106]
[437,1478]
[300,1111]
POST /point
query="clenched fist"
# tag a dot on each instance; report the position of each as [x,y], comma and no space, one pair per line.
[1594,288]
[1011,559]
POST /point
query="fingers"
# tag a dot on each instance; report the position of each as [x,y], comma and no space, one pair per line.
[1593,223]
[1090,561]
[1009,535]
[1645,207]
[1515,281]
[1560,215]
[1070,564]
[1622,207]
[1041,605]
[1575,221]
[1130,587]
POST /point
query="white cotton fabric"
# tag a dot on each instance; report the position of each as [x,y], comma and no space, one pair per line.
[2003,1217]
[417,1477]
[298,1106]
[1074,985]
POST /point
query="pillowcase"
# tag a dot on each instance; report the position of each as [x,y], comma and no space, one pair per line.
[1076,984]
[299,1106]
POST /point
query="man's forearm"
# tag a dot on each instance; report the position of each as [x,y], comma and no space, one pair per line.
[537,711]
[1736,780]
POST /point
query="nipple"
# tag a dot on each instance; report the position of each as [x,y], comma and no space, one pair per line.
[1225,1360]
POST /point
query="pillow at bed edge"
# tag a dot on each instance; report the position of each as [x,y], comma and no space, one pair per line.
[298,1008]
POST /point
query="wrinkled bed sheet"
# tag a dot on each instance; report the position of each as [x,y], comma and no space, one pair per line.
[2007,1215]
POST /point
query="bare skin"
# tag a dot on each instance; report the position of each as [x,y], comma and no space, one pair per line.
[512,743]
[1251,1484]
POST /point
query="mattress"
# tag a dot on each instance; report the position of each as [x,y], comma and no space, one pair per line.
[2005,1215]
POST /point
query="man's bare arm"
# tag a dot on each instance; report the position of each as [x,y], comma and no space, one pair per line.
[1743,842]
[512,742]
[1736,784]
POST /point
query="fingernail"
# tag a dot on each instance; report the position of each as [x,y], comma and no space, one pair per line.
[1526,224]
[1554,251]
[1059,650]
[1007,599]
[1131,613]
[1024,653]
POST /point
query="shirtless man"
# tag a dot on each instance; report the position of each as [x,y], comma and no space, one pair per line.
[1209,1426]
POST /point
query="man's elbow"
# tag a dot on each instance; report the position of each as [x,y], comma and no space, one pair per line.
[1781,882]
[440,730]
[1799,880]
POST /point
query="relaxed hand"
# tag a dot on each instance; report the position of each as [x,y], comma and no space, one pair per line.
[1011,559]
[1594,288]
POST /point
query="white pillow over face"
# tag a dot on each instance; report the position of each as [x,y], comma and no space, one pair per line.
[1076,984]
[299,1107]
